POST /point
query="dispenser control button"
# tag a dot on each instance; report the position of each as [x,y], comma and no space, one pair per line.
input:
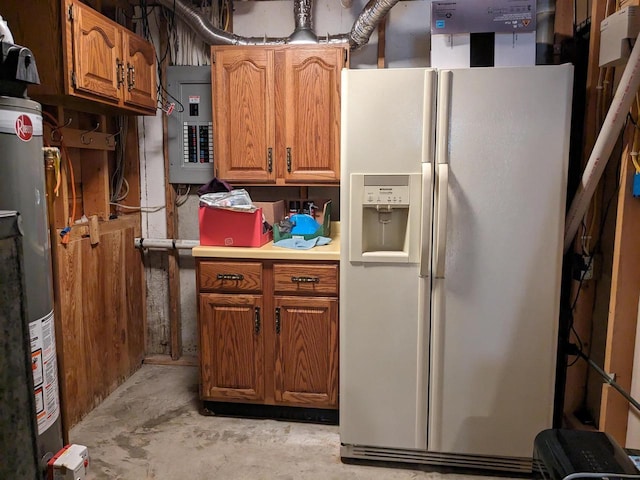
[370,198]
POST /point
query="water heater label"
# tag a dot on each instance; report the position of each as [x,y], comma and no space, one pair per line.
[45,371]
[21,124]
[24,128]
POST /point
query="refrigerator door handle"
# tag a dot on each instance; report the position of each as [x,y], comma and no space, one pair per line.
[425,246]
[441,220]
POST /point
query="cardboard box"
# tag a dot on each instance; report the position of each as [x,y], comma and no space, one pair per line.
[273,211]
[455,26]
[228,228]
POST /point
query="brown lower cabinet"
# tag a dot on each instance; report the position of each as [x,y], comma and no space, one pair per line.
[268,332]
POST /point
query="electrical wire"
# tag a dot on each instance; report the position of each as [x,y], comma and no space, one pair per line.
[140,209]
[182,199]
[72,218]
[587,267]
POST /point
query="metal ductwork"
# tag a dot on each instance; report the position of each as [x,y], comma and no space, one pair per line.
[372,14]
[360,33]
[303,32]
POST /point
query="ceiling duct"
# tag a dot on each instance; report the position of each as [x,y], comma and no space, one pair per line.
[359,35]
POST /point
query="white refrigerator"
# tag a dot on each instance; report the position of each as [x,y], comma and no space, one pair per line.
[452,206]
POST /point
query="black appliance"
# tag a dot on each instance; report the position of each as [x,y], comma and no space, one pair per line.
[561,454]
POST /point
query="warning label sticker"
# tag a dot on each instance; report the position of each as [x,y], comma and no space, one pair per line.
[45,371]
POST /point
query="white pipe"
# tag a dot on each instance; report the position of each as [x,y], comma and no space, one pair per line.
[165,243]
[605,142]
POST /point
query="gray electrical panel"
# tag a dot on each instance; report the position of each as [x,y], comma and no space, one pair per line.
[190,126]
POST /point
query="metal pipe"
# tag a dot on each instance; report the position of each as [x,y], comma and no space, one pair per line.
[165,243]
[609,379]
[545,31]
[605,142]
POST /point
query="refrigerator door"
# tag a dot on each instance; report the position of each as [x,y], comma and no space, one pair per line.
[384,307]
[500,199]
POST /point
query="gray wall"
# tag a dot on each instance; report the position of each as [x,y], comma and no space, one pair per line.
[407,45]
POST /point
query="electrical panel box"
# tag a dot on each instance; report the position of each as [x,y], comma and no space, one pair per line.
[617,36]
[190,126]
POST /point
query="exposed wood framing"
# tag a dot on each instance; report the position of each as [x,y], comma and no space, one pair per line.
[582,316]
[623,306]
[382,29]
[175,322]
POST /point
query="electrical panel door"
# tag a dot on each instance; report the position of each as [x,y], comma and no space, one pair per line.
[190,126]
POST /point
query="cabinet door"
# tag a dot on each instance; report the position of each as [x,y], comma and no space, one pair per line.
[140,67]
[306,351]
[231,347]
[242,92]
[311,83]
[95,50]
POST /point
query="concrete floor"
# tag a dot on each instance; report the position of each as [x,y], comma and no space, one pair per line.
[150,428]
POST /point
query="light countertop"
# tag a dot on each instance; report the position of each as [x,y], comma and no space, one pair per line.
[270,252]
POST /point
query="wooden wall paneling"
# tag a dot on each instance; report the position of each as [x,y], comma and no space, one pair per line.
[96,350]
[576,377]
[135,301]
[74,367]
[623,306]
[95,178]
[102,319]
[113,266]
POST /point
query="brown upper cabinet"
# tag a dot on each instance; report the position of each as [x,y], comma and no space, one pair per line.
[277,113]
[85,60]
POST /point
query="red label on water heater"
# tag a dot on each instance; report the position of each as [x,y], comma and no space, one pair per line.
[24,128]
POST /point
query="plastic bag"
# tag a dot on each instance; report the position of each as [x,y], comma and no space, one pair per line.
[237,200]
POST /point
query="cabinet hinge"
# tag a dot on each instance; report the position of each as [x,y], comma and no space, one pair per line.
[73,79]
[71,12]
[213,57]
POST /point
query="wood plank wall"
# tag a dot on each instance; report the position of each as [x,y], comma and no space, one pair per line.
[98,276]
[100,288]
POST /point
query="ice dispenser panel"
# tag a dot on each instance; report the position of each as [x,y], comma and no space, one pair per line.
[384,211]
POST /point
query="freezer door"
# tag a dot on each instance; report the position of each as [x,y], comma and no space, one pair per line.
[501,154]
[387,128]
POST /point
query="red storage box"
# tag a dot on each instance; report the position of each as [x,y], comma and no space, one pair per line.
[228,228]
